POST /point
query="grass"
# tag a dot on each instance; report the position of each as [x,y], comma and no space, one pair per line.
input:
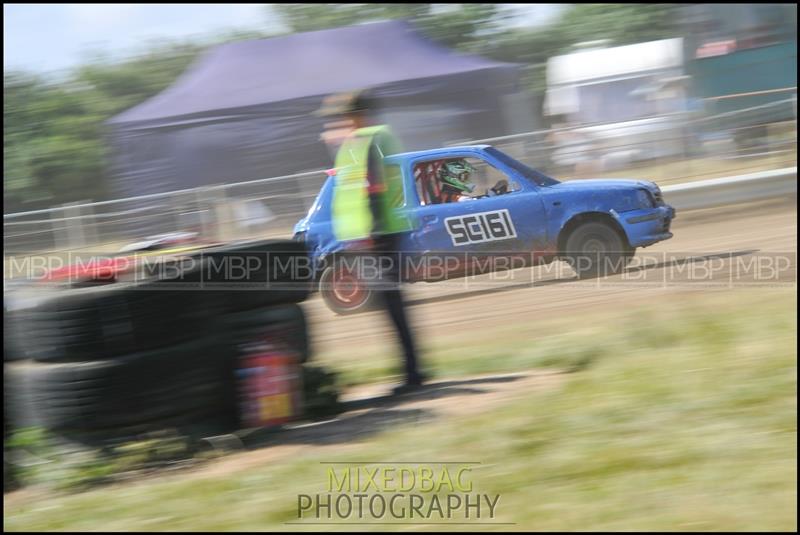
[449,356]
[682,416]
[44,462]
[550,341]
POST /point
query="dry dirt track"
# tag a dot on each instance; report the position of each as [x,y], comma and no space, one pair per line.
[704,237]
[472,310]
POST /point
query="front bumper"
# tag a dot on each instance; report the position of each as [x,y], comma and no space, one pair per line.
[648,226]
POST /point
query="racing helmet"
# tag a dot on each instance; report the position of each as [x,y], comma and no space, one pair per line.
[456,174]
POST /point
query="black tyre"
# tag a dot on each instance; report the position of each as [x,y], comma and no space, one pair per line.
[596,249]
[255,274]
[101,323]
[112,320]
[285,322]
[628,255]
[11,347]
[343,292]
[141,391]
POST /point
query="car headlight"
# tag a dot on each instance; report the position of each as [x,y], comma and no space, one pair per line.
[644,199]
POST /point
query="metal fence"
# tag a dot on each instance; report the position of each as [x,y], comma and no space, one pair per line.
[666,149]
[218,213]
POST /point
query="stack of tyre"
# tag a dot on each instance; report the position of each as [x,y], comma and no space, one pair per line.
[248,314]
[121,359]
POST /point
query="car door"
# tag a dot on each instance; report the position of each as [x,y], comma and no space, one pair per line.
[502,225]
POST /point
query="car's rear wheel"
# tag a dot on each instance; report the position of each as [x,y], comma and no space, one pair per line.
[343,291]
[597,249]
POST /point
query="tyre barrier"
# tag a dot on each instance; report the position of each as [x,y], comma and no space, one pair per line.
[11,346]
[101,323]
[253,275]
[119,360]
[284,323]
[171,387]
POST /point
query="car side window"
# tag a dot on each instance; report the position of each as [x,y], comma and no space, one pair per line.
[427,183]
[450,180]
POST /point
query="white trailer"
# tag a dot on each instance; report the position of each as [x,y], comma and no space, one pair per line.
[621,104]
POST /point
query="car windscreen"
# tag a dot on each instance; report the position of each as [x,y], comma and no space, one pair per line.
[538,178]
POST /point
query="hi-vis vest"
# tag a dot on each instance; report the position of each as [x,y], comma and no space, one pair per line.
[352,218]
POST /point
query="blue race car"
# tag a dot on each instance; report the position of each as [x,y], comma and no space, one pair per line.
[509,212]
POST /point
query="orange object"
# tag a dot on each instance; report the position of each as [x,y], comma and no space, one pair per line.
[270,390]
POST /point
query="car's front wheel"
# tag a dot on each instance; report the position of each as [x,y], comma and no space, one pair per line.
[343,291]
[597,249]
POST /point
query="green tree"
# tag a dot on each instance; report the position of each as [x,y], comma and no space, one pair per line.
[456,25]
[621,24]
[54,148]
[124,84]
[52,144]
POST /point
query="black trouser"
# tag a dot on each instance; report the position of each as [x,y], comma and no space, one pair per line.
[391,297]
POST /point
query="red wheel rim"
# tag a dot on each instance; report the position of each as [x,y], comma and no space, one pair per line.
[348,289]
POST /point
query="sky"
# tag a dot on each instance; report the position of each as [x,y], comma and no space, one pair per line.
[55,37]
